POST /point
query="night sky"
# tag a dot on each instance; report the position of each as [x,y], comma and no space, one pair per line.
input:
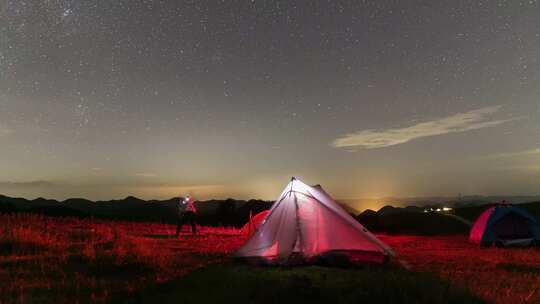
[104,99]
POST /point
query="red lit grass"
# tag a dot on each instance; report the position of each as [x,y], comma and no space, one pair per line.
[497,275]
[58,260]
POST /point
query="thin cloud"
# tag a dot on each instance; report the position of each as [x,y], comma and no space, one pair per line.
[462,122]
[515,154]
[146,174]
[26,185]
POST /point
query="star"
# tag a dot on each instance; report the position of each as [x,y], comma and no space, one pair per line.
[67,12]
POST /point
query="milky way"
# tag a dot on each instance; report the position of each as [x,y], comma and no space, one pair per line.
[229,98]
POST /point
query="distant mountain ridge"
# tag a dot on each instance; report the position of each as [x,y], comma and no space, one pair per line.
[436,201]
[232,212]
[413,219]
[212,212]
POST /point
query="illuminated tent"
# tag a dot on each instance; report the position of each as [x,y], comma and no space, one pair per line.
[305,224]
[505,225]
[254,223]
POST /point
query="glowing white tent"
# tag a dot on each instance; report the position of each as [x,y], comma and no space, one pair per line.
[306,223]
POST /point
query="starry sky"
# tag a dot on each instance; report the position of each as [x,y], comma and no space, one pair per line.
[103,99]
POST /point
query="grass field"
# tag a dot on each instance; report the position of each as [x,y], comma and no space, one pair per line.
[233,283]
[59,260]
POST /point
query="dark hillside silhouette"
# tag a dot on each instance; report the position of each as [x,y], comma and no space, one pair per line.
[229,212]
[232,212]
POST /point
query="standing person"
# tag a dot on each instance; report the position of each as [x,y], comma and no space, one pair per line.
[187,213]
[182,205]
[191,214]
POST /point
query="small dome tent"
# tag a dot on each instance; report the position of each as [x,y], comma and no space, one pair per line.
[505,225]
[305,224]
[254,223]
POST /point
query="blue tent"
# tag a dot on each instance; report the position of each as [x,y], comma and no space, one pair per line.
[505,225]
